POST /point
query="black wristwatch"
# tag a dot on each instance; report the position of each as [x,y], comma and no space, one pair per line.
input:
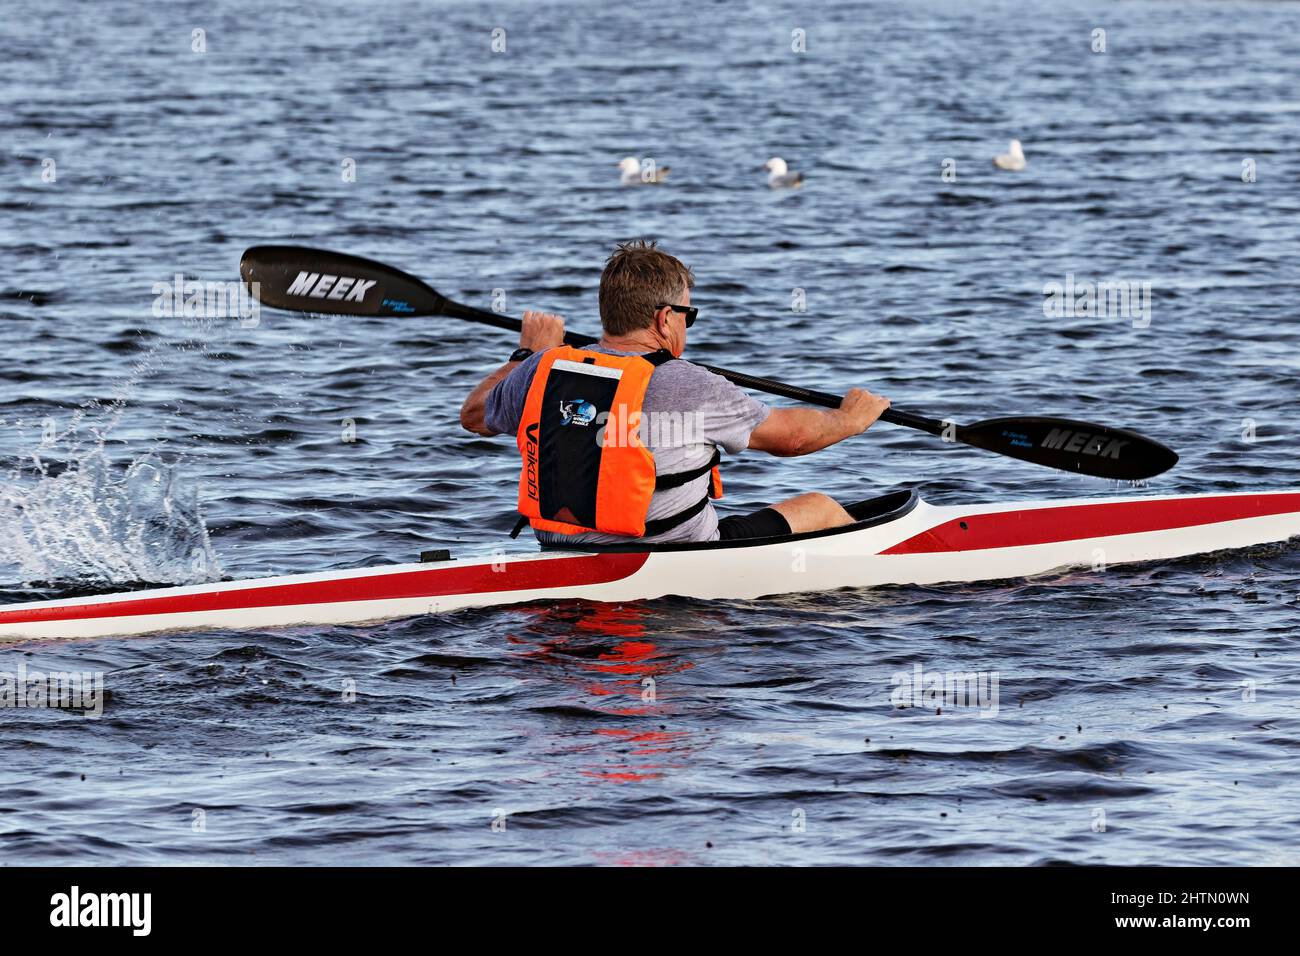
[519,354]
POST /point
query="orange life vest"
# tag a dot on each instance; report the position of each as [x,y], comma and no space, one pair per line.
[584,466]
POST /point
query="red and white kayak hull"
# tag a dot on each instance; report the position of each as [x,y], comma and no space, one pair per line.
[900,540]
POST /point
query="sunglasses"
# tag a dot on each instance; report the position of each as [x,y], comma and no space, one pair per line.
[687,310]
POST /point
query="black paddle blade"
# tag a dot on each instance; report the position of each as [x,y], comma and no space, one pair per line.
[1079,447]
[315,280]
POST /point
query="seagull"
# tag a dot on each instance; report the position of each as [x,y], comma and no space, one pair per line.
[632,176]
[778,176]
[1013,159]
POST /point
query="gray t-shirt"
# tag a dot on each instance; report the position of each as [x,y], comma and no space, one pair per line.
[688,413]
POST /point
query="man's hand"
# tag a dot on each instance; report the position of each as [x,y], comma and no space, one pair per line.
[860,409]
[541,331]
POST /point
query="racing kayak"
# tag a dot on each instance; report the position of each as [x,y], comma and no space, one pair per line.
[896,539]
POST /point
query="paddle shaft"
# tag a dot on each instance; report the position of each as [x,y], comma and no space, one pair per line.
[743,379]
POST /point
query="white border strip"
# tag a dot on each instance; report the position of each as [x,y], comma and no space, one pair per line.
[582,368]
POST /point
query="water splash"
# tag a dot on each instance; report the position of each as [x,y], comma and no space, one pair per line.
[70,515]
[97,523]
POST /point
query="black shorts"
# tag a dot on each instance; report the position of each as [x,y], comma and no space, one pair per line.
[766,523]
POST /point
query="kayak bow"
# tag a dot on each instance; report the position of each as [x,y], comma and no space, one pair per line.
[897,539]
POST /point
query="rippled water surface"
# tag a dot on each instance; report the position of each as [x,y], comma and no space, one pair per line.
[1145,716]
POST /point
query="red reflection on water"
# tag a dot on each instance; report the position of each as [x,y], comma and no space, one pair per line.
[618,677]
[626,776]
[662,856]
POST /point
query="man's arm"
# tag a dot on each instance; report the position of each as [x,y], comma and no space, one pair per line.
[541,331]
[473,414]
[789,432]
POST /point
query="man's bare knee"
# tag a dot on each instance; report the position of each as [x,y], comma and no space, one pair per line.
[812,512]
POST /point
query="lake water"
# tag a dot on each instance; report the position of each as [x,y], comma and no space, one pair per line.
[1146,715]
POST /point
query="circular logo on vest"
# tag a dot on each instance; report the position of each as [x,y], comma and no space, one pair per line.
[577,411]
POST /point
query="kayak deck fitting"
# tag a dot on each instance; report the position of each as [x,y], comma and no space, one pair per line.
[898,538]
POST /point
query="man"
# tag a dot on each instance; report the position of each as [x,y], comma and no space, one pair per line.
[620,440]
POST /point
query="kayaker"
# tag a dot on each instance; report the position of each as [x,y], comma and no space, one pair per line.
[620,440]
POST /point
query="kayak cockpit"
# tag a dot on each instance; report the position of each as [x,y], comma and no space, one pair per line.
[884,507]
[867,513]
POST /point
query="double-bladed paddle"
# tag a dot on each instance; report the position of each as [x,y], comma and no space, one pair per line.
[300,279]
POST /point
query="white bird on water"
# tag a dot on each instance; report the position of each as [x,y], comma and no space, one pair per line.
[779,175]
[1013,159]
[632,174]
